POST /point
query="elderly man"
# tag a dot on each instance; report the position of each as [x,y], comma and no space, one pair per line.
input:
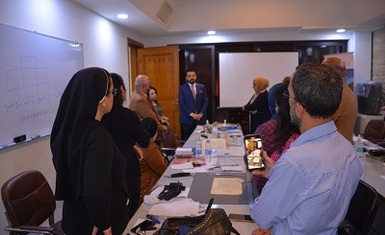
[141,104]
[346,114]
[310,186]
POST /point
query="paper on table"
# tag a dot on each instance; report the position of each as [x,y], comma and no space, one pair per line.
[196,161]
[227,186]
[197,169]
[183,207]
[183,151]
[181,166]
[235,168]
[215,143]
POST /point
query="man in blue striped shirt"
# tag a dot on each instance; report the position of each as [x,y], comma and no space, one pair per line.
[310,186]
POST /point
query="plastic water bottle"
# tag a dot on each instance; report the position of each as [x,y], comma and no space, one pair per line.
[214,157]
[208,151]
[198,148]
[208,148]
[359,145]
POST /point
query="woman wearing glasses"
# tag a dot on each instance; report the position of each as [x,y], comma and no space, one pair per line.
[127,131]
[89,167]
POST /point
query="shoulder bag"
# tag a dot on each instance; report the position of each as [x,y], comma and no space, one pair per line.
[213,222]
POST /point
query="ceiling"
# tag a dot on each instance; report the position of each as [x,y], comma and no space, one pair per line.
[155,18]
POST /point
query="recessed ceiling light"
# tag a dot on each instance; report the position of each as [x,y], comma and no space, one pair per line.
[211,32]
[122,16]
[340,30]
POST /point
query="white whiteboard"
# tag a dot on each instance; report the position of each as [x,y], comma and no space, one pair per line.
[34,70]
[237,71]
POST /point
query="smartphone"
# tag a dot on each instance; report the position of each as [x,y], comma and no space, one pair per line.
[254,149]
[255,161]
[144,226]
[241,218]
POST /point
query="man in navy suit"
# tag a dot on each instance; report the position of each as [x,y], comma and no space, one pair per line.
[193,102]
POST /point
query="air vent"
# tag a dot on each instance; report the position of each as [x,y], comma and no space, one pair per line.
[164,14]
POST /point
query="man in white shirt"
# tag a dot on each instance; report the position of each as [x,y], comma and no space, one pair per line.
[311,185]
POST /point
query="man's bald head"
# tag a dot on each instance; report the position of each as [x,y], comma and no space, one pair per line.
[337,64]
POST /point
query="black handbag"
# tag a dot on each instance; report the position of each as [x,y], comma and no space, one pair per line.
[213,222]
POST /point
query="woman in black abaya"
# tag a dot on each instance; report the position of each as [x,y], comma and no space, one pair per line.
[89,167]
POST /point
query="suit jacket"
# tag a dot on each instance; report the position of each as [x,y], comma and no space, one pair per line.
[346,114]
[188,105]
[143,107]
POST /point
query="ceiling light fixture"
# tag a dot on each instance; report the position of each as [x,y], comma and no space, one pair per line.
[340,30]
[122,16]
[211,32]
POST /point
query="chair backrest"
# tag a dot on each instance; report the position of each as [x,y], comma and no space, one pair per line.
[374,130]
[363,207]
[28,199]
[169,138]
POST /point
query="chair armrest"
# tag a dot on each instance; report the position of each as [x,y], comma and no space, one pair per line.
[31,229]
[168,151]
[347,228]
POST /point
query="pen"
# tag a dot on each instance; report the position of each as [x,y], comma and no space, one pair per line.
[153,218]
[35,137]
[214,168]
[7,145]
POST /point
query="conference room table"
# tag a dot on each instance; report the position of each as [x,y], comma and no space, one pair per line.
[374,175]
[199,184]
[373,168]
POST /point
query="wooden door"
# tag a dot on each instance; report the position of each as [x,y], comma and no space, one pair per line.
[161,65]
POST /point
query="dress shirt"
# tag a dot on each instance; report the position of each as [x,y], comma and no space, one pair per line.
[193,90]
[310,187]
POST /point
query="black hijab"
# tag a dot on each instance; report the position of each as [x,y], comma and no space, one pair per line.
[76,114]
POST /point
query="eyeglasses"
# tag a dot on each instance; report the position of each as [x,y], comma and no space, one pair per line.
[114,92]
[287,96]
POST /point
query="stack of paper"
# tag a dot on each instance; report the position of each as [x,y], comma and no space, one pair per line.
[183,151]
[227,186]
[215,143]
[182,207]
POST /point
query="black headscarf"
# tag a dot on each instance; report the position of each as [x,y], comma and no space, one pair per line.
[115,121]
[76,113]
[150,126]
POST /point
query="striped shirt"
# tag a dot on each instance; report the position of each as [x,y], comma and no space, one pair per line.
[310,187]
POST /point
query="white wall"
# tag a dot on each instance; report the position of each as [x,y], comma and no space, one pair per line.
[358,42]
[362,57]
[105,45]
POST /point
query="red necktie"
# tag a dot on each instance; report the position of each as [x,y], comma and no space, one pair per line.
[193,91]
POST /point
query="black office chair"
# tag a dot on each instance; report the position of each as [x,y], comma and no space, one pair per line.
[375,131]
[362,210]
[29,201]
[169,142]
[168,154]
